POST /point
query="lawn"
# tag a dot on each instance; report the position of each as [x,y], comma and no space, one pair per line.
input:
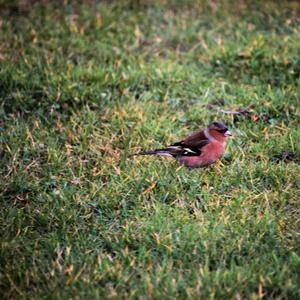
[85,84]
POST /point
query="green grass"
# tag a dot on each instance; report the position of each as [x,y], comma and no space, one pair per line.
[84,85]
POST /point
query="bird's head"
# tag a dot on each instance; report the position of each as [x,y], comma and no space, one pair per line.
[219,131]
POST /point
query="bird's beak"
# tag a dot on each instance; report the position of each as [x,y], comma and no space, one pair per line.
[227,133]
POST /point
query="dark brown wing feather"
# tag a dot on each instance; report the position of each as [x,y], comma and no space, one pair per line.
[194,143]
[195,138]
[191,146]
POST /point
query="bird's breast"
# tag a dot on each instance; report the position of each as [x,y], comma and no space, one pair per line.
[213,151]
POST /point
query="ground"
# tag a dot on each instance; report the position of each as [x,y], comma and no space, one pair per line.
[83,85]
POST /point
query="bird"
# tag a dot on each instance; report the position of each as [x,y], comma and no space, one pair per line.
[200,149]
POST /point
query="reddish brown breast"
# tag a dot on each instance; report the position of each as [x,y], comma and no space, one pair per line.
[210,153]
[213,151]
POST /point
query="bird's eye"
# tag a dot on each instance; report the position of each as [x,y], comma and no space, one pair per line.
[223,130]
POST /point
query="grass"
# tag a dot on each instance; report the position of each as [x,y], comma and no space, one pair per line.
[83,85]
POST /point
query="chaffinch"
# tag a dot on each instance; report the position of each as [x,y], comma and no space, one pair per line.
[199,149]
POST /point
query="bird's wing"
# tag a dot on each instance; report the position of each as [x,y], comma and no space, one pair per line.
[184,149]
[193,144]
[174,150]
